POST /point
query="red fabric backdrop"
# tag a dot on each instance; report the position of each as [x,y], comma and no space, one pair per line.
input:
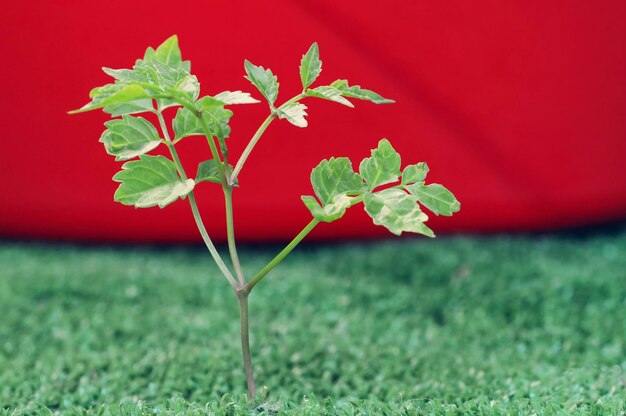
[518,107]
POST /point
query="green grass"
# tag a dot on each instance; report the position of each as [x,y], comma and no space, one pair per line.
[486,326]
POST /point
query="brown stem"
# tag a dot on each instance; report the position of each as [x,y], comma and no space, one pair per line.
[242,297]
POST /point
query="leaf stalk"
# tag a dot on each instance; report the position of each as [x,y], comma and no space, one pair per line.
[280,256]
[253,141]
[257,136]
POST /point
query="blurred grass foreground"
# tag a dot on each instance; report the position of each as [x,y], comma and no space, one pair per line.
[460,325]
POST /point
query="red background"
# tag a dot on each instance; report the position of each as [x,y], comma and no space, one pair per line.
[518,107]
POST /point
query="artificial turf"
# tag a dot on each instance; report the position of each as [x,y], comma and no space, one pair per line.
[458,325]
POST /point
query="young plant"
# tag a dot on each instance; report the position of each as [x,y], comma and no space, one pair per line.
[160,80]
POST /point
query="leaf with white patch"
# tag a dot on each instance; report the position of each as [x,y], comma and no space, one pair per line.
[294,113]
[235,97]
[356,91]
[160,75]
[329,93]
[414,173]
[333,177]
[150,181]
[397,211]
[331,211]
[129,137]
[189,86]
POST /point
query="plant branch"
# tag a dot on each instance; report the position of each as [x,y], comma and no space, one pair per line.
[207,241]
[230,231]
[297,239]
[280,256]
[257,135]
[249,147]
[209,138]
[194,206]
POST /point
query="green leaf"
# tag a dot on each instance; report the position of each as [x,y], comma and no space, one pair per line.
[414,173]
[383,167]
[208,171]
[129,137]
[333,177]
[263,80]
[435,197]
[165,69]
[310,66]
[155,74]
[175,83]
[331,211]
[357,92]
[169,52]
[333,181]
[124,75]
[186,123]
[294,113]
[235,97]
[188,86]
[131,107]
[216,116]
[329,93]
[112,94]
[208,102]
[161,73]
[150,181]
[397,211]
